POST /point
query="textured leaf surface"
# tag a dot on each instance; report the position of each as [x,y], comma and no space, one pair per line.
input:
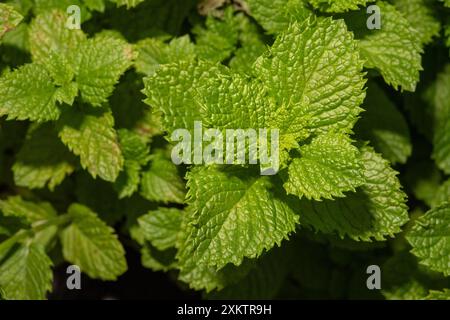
[384,126]
[161,227]
[337,5]
[327,167]
[28,93]
[152,53]
[9,18]
[326,87]
[313,71]
[27,274]
[275,15]
[43,160]
[102,60]
[376,210]
[162,182]
[90,134]
[89,243]
[177,101]
[421,16]
[394,50]
[430,239]
[234,215]
[51,39]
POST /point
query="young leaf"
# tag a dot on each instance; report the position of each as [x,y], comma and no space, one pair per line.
[89,243]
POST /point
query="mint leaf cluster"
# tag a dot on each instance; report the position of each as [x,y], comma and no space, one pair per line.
[87,124]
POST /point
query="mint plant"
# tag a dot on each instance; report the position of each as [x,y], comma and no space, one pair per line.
[89,123]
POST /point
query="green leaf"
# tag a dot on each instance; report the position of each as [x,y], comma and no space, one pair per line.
[28,93]
[324,85]
[233,215]
[32,211]
[89,243]
[176,101]
[102,60]
[90,134]
[430,239]
[337,5]
[50,39]
[96,63]
[161,227]
[394,50]
[276,15]
[375,211]
[153,52]
[27,274]
[384,126]
[9,19]
[162,182]
[43,160]
[327,167]
[421,17]
[218,39]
